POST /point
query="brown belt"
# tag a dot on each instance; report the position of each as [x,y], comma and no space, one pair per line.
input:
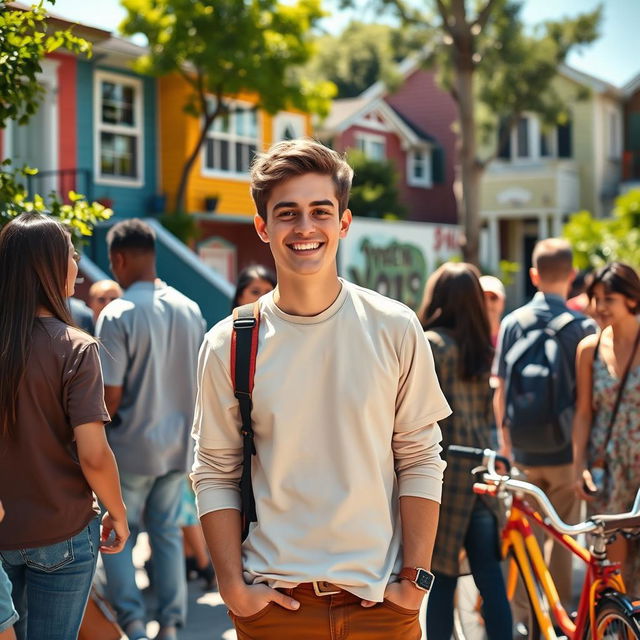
[321,588]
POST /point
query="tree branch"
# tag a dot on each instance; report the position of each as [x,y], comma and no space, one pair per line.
[444,15]
[485,12]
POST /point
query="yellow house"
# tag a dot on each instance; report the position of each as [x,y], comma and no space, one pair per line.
[542,176]
[221,168]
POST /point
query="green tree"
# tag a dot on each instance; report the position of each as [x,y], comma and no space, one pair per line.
[363,54]
[596,241]
[495,70]
[225,47]
[374,193]
[25,40]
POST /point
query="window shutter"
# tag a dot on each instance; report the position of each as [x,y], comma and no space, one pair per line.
[564,141]
[437,165]
[504,140]
[633,131]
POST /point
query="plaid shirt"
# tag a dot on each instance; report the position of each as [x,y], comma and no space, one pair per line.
[469,425]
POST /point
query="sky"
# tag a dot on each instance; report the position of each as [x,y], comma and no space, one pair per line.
[610,58]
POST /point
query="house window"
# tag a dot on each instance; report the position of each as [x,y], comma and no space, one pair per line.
[372,146]
[522,138]
[288,126]
[118,130]
[419,168]
[614,136]
[231,142]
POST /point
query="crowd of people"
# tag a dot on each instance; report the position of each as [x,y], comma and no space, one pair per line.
[355,399]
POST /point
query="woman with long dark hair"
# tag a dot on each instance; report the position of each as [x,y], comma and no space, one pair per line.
[53,449]
[454,317]
[253,282]
[606,426]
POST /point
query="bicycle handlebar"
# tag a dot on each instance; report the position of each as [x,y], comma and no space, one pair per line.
[487,458]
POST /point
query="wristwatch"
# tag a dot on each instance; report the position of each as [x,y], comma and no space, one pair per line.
[422,578]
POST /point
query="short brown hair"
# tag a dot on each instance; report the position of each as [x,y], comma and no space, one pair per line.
[291,158]
[553,259]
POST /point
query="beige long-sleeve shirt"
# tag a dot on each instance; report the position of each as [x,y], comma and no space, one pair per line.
[345,411]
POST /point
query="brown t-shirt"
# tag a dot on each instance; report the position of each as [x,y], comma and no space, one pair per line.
[42,487]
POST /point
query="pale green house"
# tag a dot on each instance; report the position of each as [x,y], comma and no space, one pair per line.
[542,176]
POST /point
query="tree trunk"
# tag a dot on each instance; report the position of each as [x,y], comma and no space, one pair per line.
[180,201]
[470,171]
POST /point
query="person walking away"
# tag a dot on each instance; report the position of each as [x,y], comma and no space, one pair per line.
[535,399]
[347,473]
[149,347]
[53,448]
[607,422]
[454,316]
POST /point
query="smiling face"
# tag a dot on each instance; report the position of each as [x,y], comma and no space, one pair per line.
[611,307]
[304,226]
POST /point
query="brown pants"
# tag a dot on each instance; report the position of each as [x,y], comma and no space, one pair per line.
[330,617]
[557,482]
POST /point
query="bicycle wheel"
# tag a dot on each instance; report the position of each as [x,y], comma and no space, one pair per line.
[468,623]
[614,621]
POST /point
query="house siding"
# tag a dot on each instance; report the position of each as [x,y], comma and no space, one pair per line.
[427,106]
[179,132]
[126,201]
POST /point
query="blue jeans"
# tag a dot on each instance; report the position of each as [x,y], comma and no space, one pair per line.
[154,502]
[51,584]
[479,543]
[8,613]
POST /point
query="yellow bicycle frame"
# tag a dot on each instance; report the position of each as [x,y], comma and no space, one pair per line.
[526,558]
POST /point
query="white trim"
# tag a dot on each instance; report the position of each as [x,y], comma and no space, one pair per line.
[614,134]
[191,259]
[426,182]
[232,138]
[366,141]
[138,130]
[283,119]
[408,136]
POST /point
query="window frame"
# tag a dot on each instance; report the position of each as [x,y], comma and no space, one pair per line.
[614,137]
[426,182]
[232,138]
[363,140]
[100,127]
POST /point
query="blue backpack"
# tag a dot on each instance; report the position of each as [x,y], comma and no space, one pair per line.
[539,394]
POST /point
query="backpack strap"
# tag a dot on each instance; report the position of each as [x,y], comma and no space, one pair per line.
[244,351]
[557,324]
[530,325]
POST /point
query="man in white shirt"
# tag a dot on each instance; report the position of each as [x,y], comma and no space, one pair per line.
[347,475]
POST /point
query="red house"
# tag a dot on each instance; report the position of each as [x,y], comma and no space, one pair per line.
[413,127]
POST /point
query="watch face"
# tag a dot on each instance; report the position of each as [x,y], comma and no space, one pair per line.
[424,579]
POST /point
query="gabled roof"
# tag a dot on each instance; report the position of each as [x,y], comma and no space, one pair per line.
[93,34]
[632,86]
[595,84]
[347,112]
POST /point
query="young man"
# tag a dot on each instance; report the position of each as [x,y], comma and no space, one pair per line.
[150,339]
[347,476]
[552,274]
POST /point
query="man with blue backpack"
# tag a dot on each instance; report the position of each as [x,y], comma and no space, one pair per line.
[535,399]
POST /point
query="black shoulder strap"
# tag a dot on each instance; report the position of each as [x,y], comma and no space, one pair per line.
[244,351]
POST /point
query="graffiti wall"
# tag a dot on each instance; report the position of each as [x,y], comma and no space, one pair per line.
[394,257]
